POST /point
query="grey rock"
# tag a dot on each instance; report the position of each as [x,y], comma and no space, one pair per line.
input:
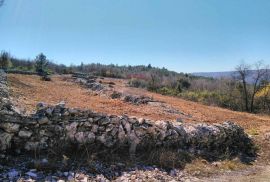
[61,104]
[179,120]
[141,120]
[85,137]
[94,128]
[44,120]
[173,172]
[10,127]
[31,146]
[40,105]
[25,134]
[13,174]
[49,111]
[71,130]
[31,174]
[5,140]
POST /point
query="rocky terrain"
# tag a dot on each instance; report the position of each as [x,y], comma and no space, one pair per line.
[56,142]
[108,90]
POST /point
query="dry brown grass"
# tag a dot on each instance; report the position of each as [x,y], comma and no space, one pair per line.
[28,90]
[202,168]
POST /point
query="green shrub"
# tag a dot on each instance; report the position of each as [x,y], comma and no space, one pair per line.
[138,83]
[167,91]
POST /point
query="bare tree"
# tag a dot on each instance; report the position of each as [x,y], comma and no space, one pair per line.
[260,75]
[251,81]
[243,71]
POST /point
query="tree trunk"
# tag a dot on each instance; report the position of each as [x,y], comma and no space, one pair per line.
[246,94]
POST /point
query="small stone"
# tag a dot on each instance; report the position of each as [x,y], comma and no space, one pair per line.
[267,136]
[13,174]
[91,137]
[173,173]
[25,134]
[217,164]
[31,145]
[5,140]
[141,120]
[119,164]
[49,111]
[94,128]
[179,120]
[73,111]
[90,120]
[61,104]
[43,120]
[40,105]
[66,113]
[31,174]
[70,178]
[44,161]
[10,127]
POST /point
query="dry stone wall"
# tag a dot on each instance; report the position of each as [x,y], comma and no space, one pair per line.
[57,126]
[3,85]
[21,72]
[90,82]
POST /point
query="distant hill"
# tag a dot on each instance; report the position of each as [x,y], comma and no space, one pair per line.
[224,74]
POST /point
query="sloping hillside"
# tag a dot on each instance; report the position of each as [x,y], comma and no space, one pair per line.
[28,90]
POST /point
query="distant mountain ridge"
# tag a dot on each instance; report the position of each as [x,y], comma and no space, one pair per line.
[222,74]
[226,74]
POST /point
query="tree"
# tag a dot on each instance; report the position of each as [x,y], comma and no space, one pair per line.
[259,78]
[243,72]
[5,62]
[81,67]
[153,82]
[182,84]
[41,64]
[251,81]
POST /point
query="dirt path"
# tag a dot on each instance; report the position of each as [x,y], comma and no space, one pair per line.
[260,174]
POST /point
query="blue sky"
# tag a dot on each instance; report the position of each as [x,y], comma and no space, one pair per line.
[181,35]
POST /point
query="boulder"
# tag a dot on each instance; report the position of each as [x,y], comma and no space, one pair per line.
[25,134]
[10,127]
[5,140]
[43,120]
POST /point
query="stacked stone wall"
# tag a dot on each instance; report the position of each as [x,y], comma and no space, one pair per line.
[58,126]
